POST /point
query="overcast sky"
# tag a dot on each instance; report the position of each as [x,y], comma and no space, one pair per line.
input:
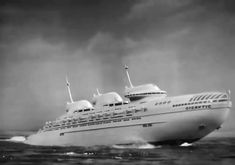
[183,46]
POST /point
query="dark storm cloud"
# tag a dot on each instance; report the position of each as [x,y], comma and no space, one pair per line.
[74,21]
[178,44]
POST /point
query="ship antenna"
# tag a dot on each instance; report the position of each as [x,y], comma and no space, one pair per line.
[128,76]
[98,92]
[68,87]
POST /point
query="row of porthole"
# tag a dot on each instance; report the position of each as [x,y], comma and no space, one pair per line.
[142,94]
[68,122]
[184,104]
[95,123]
[163,102]
[198,107]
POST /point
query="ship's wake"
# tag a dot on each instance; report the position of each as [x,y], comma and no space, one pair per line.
[136,146]
[186,144]
[18,139]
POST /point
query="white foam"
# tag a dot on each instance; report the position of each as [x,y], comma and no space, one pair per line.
[17,139]
[186,144]
[146,146]
[69,153]
[135,146]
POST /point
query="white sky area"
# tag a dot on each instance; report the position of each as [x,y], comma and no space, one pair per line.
[183,46]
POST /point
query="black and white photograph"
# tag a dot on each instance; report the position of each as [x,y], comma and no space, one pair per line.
[109,82]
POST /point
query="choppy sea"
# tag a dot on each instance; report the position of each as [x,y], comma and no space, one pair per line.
[207,151]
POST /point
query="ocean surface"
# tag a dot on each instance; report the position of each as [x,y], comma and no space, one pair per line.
[206,151]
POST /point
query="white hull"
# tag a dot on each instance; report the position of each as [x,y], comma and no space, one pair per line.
[178,126]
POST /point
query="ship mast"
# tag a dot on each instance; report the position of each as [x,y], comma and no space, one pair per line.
[98,92]
[68,87]
[128,76]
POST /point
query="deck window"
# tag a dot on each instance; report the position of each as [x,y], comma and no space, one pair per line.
[224,96]
[207,97]
[213,96]
[195,98]
[203,97]
[218,96]
[199,97]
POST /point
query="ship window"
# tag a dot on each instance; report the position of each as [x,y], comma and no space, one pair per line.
[119,103]
[156,103]
[207,97]
[223,100]
[224,96]
[191,99]
[213,96]
[80,110]
[85,110]
[195,98]
[169,102]
[164,102]
[218,96]
[199,97]
[110,105]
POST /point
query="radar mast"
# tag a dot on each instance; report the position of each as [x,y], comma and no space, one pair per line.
[69,91]
[128,76]
[98,92]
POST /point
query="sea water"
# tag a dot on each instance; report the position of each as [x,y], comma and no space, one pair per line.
[206,151]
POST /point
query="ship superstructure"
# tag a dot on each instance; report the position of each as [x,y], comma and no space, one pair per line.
[149,116]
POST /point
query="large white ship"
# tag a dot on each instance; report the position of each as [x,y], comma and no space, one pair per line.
[149,116]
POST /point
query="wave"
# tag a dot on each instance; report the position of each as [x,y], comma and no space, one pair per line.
[136,146]
[17,139]
[186,144]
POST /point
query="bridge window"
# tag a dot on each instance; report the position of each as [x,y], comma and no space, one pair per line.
[203,97]
[213,96]
[196,98]
[224,96]
[199,98]
[218,96]
[208,96]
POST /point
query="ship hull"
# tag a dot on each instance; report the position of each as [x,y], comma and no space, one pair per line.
[172,128]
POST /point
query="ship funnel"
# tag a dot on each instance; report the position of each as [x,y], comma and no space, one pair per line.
[69,91]
[128,76]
